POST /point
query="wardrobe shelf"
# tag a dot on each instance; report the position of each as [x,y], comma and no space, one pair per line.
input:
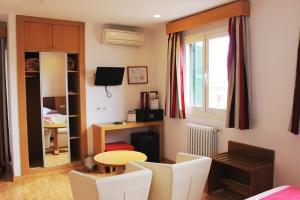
[73,93]
[29,72]
[74,138]
[71,116]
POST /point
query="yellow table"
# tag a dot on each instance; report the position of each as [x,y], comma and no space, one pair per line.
[118,159]
[55,128]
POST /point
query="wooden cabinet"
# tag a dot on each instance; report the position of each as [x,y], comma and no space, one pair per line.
[37,36]
[65,37]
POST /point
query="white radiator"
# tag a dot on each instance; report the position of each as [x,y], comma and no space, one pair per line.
[202,140]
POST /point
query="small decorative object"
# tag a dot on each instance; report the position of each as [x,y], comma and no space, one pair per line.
[144,100]
[137,74]
[131,116]
[89,163]
[32,64]
[153,95]
[154,104]
[154,101]
[71,64]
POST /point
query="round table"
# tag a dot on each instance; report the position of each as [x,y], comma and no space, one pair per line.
[118,159]
[55,128]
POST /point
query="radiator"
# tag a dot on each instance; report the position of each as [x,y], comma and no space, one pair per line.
[202,140]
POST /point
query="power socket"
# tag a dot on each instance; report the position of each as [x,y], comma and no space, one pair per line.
[100,108]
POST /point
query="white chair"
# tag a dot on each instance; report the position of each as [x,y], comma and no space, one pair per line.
[184,180]
[134,184]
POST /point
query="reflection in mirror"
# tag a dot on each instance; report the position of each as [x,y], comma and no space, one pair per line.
[54,109]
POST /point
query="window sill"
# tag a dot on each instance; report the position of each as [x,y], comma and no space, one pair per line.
[210,115]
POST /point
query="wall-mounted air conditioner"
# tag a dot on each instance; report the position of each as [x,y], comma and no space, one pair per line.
[122,37]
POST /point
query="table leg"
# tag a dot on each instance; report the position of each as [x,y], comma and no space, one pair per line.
[102,169]
[119,169]
[55,135]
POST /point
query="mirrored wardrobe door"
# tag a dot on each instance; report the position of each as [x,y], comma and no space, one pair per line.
[54,100]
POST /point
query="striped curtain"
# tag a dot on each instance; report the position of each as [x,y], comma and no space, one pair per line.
[295,121]
[174,105]
[238,64]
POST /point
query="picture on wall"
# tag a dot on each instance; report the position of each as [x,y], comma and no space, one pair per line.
[137,74]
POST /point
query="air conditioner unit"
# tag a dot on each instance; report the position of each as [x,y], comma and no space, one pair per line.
[122,37]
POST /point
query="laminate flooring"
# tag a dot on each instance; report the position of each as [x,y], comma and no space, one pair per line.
[57,187]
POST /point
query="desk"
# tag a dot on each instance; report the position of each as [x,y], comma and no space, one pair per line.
[55,128]
[100,131]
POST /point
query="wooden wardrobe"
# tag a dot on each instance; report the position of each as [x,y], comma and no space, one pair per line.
[36,35]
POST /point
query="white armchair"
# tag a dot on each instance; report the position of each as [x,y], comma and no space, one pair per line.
[134,184]
[184,180]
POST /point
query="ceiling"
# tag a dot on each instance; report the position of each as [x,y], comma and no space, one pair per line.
[124,12]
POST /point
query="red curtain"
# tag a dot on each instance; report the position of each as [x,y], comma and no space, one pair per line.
[175,105]
[238,64]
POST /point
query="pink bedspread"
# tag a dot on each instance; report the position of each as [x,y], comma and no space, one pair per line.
[289,193]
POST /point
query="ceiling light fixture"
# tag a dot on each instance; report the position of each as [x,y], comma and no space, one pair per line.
[157,16]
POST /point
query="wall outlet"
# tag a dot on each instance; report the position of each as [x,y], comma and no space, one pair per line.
[100,108]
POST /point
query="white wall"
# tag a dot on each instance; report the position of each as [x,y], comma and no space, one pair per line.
[274,32]
[13,95]
[124,97]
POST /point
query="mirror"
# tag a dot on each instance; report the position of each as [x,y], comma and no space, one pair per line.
[53,73]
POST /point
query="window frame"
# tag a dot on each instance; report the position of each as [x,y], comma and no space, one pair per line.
[196,37]
[190,40]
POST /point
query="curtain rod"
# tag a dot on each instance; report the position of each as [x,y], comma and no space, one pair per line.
[237,8]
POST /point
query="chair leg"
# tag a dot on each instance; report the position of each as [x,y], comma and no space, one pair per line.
[120,170]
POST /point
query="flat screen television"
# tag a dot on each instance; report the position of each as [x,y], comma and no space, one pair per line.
[108,76]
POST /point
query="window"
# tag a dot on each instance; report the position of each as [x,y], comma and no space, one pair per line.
[206,71]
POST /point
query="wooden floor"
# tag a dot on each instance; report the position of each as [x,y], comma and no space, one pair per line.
[223,195]
[57,187]
[49,187]
[52,160]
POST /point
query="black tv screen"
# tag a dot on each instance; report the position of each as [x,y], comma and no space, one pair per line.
[107,76]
